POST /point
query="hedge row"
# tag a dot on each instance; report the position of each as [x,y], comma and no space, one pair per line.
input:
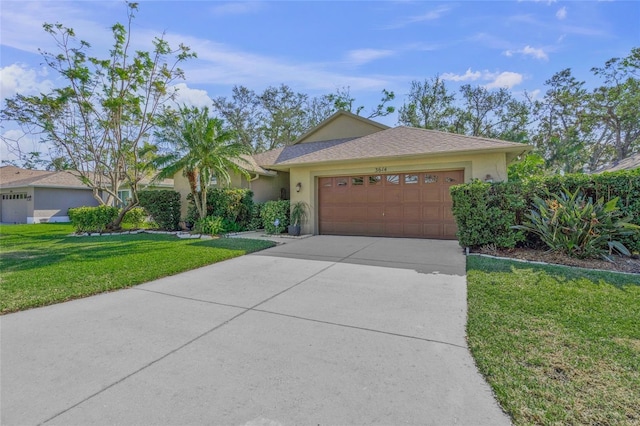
[486,212]
[163,206]
[233,205]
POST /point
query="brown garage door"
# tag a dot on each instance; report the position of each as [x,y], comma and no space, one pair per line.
[391,205]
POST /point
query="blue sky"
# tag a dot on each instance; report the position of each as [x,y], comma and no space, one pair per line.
[318,47]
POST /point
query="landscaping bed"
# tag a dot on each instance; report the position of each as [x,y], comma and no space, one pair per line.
[617,263]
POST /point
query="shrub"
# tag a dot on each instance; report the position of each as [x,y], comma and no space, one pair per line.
[234,205]
[275,216]
[92,219]
[256,219]
[576,226]
[135,217]
[163,206]
[485,214]
[211,225]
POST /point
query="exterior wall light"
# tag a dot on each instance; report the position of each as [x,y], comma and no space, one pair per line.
[298,186]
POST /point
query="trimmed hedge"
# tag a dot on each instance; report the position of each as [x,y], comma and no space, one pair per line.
[92,219]
[233,205]
[273,211]
[486,212]
[163,206]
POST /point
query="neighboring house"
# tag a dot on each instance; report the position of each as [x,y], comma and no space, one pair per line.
[629,163]
[35,196]
[360,177]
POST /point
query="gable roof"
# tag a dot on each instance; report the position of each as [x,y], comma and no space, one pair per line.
[629,163]
[13,177]
[353,124]
[395,142]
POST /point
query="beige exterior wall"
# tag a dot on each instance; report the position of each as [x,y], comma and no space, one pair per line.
[342,127]
[475,166]
[265,188]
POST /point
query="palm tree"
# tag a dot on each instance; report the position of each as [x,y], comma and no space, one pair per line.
[200,147]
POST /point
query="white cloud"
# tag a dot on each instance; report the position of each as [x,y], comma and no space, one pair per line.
[432,15]
[505,79]
[17,78]
[191,97]
[561,13]
[16,142]
[467,76]
[362,56]
[537,53]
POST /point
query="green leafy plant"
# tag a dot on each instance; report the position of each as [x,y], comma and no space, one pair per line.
[275,216]
[135,217]
[299,213]
[163,206]
[92,219]
[573,224]
[211,225]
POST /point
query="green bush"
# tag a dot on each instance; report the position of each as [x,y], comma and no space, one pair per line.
[256,218]
[275,216]
[576,226]
[212,225]
[92,219]
[163,206]
[234,205]
[135,217]
[485,213]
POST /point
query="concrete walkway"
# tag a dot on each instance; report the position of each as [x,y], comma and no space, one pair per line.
[322,330]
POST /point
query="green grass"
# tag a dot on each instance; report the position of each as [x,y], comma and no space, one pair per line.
[42,264]
[558,345]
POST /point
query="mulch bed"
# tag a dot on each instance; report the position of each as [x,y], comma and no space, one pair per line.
[617,264]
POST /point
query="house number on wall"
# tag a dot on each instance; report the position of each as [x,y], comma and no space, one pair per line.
[381,169]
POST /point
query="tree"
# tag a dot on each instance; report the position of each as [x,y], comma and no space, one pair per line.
[492,114]
[430,105]
[200,147]
[107,109]
[278,116]
[562,134]
[614,106]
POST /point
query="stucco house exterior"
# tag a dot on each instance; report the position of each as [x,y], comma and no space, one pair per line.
[36,196]
[360,177]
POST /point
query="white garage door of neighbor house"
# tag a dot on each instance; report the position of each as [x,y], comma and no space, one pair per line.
[416,204]
[14,208]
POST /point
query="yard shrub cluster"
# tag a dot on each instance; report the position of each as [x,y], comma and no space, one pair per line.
[163,206]
[233,205]
[275,216]
[135,217]
[92,219]
[493,214]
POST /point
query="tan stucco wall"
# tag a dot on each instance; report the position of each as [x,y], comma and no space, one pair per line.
[476,166]
[264,188]
[342,127]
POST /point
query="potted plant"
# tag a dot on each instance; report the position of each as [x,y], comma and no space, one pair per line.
[298,215]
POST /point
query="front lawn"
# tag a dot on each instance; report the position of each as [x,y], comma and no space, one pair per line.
[558,345]
[42,264]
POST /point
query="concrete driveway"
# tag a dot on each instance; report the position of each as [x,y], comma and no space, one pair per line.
[323,330]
